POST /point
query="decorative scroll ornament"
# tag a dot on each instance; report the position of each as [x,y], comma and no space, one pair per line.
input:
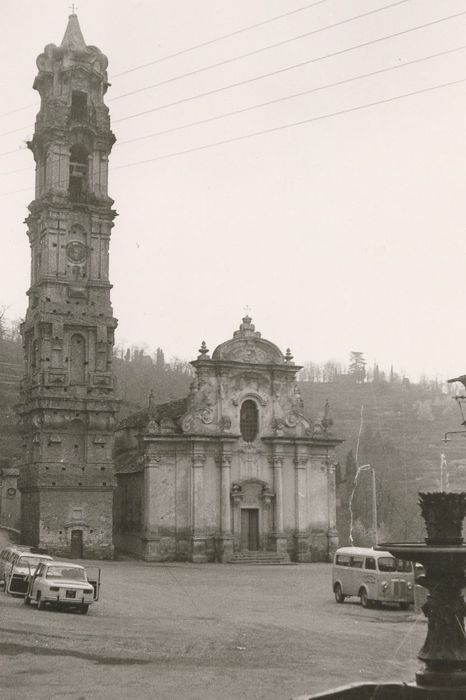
[204,415]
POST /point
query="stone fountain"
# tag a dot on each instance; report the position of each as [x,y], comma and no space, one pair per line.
[443,556]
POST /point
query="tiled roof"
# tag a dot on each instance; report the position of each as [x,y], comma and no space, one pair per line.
[171,409]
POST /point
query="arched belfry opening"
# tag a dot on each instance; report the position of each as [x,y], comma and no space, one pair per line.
[78,105]
[79,166]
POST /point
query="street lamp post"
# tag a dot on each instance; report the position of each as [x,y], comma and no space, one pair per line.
[363,468]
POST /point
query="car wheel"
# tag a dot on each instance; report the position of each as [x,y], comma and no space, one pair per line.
[365,602]
[27,600]
[339,597]
[4,585]
[83,609]
[40,602]
[404,605]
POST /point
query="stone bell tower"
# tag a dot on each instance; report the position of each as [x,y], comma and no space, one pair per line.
[67,404]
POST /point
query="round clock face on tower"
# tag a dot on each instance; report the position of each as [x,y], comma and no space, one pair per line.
[76,251]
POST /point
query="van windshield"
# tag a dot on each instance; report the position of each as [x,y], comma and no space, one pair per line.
[388,564]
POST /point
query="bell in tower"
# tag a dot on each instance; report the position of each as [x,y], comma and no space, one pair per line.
[68,404]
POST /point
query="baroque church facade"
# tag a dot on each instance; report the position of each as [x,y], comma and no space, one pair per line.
[68,404]
[233,468]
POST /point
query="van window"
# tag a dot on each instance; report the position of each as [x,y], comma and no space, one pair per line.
[357,562]
[342,560]
[390,564]
[370,563]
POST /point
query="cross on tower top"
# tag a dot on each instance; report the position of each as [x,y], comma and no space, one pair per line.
[247,309]
[73,8]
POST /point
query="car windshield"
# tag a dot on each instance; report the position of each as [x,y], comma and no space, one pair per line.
[68,572]
[29,561]
[388,564]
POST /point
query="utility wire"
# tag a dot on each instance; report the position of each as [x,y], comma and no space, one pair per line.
[287,68]
[267,75]
[288,97]
[192,48]
[219,38]
[14,150]
[274,129]
[293,124]
[18,109]
[264,48]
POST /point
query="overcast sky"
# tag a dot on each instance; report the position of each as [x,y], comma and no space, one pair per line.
[345,233]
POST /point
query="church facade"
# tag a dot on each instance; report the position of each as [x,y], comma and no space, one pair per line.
[67,395]
[234,468]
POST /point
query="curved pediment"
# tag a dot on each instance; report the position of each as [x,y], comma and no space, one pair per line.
[247,346]
[250,351]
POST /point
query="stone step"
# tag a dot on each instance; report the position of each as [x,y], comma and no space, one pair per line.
[259,558]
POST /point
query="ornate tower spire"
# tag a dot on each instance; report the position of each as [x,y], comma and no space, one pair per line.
[73,38]
[68,403]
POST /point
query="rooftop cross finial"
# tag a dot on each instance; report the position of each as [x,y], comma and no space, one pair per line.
[247,309]
[73,8]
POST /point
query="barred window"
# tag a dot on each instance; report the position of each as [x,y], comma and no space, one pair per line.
[249,421]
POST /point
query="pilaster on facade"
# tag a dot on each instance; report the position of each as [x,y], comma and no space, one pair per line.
[224,539]
[301,535]
[198,540]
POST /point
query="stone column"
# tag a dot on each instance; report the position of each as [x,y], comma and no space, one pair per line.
[301,537]
[225,538]
[279,535]
[198,539]
[332,532]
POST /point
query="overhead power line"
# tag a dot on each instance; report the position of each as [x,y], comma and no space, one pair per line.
[267,75]
[292,96]
[264,48]
[292,124]
[288,68]
[14,150]
[196,46]
[18,109]
[274,129]
[219,38]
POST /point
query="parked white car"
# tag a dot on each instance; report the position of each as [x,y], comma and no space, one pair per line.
[7,554]
[62,583]
[19,569]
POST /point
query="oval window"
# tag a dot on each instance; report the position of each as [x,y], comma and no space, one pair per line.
[249,421]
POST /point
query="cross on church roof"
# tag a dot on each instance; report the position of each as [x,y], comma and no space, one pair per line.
[247,309]
[73,8]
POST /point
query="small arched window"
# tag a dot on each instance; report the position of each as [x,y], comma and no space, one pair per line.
[249,421]
[78,173]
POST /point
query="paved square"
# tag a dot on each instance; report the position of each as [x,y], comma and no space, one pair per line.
[207,631]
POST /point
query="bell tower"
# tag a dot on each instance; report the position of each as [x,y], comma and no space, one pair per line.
[68,404]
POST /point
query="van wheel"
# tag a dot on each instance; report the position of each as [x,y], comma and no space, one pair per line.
[365,602]
[339,597]
[404,606]
[40,602]
[27,600]
[83,609]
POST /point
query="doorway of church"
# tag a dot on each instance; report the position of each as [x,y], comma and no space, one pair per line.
[250,529]
[76,544]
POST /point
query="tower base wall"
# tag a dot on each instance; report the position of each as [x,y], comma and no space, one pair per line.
[71,524]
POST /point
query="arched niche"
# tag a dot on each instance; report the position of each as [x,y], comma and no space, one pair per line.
[74,443]
[77,359]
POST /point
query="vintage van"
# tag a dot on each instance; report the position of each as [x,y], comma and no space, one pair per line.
[374,577]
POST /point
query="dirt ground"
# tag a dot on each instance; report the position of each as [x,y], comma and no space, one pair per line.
[203,631]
